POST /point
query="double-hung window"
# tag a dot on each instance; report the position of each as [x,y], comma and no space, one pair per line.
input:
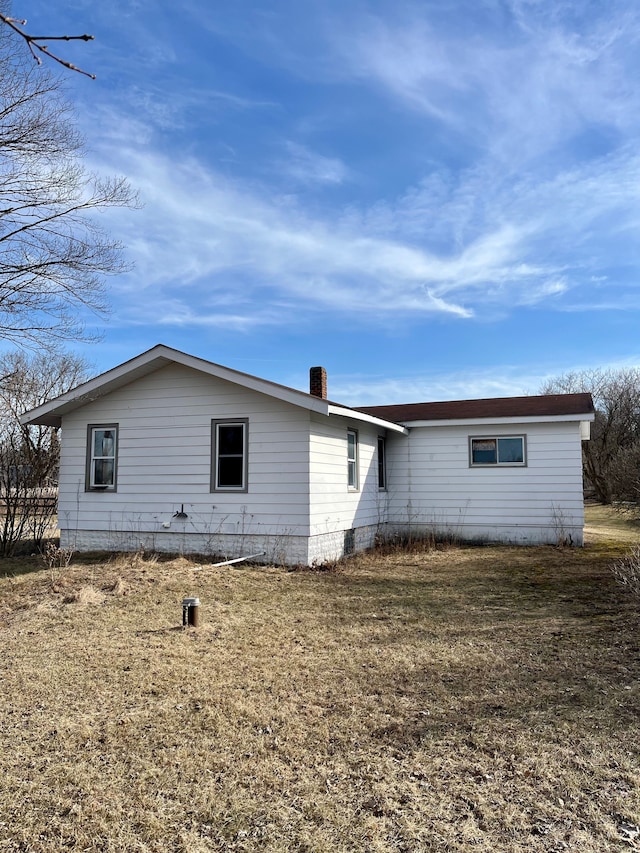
[102,457]
[504,450]
[229,455]
[352,459]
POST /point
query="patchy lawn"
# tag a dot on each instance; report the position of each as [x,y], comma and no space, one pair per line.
[454,700]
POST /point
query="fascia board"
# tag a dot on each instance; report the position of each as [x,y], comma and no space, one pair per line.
[369,419]
[531,419]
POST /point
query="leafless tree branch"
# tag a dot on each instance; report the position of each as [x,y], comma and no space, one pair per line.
[53,255]
[36,44]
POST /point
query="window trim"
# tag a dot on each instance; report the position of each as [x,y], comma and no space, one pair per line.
[382,463]
[89,485]
[355,485]
[497,464]
[215,424]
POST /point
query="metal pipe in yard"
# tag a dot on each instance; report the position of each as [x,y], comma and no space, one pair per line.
[190,612]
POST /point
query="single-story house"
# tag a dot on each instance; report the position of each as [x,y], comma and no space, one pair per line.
[174,453]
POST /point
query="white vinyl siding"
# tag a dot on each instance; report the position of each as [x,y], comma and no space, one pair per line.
[434,486]
[164,460]
[334,507]
[295,475]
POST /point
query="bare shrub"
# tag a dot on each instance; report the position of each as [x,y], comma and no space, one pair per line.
[57,559]
[626,571]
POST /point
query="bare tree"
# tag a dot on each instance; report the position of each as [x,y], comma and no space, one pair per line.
[29,455]
[615,432]
[53,255]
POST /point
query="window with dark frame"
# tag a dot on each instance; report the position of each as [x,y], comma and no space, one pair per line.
[498,450]
[229,457]
[352,459]
[102,455]
[382,462]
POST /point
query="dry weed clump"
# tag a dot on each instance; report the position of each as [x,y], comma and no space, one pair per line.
[626,571]
[457,700]
[86,596]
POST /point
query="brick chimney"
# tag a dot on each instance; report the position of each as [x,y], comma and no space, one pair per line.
[318,382]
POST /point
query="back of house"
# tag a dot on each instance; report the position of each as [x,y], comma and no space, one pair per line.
[173,453]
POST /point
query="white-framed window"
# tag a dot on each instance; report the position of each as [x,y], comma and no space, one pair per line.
[102,457]
[352,459]
[229,455]
[505,450]
[382,462]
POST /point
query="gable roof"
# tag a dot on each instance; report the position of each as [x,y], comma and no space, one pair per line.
[393,418]
[159,356]
[564,406]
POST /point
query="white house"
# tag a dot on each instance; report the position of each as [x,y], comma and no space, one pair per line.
[173,453]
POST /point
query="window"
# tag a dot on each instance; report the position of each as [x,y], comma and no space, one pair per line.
[352,459]
[229,455]
[382,463]
[102,454]
[498,450]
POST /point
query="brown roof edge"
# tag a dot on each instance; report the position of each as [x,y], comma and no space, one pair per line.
[546,405]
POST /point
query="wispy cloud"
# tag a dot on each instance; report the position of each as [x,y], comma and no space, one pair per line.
[309,167]
[468,163]
[199,231]
[432,386]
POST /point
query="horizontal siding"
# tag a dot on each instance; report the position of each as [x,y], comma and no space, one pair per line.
[164,458]
[431,481]
[298,471]
[334,506]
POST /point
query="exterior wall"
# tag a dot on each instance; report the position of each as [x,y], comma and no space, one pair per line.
[433,489]
[298,508]
[343,519]
[164,464]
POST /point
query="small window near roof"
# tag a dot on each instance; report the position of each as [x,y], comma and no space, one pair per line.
[498,450]
[102,453]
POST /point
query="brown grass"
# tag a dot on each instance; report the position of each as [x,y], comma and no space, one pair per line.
[458,700]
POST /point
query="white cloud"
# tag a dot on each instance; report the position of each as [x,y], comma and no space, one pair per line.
[309,167]
[203,233]
[522,222]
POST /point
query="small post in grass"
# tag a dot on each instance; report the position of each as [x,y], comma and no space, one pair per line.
[190,612]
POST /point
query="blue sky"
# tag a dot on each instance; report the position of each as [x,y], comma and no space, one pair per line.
[434,200]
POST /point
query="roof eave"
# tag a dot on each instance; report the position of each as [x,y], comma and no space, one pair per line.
[344,412]
[51,413]
[515,419]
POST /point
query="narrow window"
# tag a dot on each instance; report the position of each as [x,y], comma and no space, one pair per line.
[229,456]
[498,450]
[102,454]
[382,463]
[352,459]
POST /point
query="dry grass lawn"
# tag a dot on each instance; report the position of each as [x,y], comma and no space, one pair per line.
[462,699]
